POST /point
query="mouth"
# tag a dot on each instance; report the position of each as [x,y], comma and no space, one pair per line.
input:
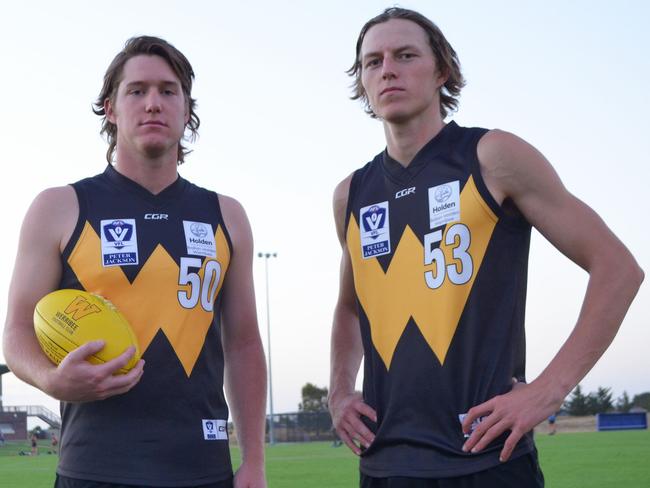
[153,123]
[390,89]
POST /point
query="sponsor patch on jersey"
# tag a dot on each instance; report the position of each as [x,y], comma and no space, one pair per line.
[199,238]
[375,230]
[405,192]
[119,242]
[461,417]
[444,204]
[215,430]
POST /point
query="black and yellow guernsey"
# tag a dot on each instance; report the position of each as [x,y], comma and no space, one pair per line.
[161,259]
[440,275]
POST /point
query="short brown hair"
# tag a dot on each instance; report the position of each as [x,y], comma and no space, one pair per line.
[152,46]
[446,59]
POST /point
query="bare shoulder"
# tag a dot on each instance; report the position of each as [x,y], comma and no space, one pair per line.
[55,211]
[340,203]
[64,197]
[230,207]
[235,219]
[498,148]
[342,189]
[510,165]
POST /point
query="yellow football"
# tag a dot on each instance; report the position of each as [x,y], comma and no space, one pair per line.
[66,319]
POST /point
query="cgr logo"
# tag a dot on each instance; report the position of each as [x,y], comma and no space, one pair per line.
[404,192]
[156,216]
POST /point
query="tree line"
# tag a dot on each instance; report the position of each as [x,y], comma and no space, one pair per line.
[602,401]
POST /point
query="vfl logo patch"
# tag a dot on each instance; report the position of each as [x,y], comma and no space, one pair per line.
[199,238]
[215,430]
[375,230]
[119,242]
[444,204]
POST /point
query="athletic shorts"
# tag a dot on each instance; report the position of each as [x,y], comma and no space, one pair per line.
[65,482]
[523,472]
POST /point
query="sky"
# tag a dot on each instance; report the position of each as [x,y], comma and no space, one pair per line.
[278,132]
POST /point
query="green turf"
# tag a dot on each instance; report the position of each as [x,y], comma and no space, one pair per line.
[586,460]
[596,459]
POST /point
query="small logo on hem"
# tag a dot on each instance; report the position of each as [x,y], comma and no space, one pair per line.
[215,429]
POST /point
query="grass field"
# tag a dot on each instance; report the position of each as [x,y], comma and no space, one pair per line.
[578,460]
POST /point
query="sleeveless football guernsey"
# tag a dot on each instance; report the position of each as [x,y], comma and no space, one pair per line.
[161,259]
[440,278]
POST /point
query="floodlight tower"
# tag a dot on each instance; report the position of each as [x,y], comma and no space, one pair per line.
[266,256]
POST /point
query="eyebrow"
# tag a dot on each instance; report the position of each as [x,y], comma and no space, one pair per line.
[165,83]
[406,47]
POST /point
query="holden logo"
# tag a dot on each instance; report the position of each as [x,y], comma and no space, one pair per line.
[442,193]
[198,230]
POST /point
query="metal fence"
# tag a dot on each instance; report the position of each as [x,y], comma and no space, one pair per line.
[301,427]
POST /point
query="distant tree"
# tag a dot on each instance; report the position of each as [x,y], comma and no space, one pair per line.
[592,403]
[600,401]
[623,403]
[577,404]
[642,400]
[604,401]
[314,399]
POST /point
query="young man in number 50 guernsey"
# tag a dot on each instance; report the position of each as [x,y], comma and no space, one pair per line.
[176,260]
[435,232]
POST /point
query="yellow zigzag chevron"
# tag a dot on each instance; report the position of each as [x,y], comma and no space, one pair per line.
[390,299]
[150,303]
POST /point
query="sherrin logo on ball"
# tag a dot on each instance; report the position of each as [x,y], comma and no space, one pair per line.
[66,319]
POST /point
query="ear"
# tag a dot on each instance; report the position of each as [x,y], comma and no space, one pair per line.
[441,78]
[109,111]
[186,115]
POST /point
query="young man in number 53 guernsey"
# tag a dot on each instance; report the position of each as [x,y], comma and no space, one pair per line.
[176,260]
[435,234]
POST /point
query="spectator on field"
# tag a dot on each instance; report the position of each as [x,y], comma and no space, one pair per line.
[55,443]
[34,445]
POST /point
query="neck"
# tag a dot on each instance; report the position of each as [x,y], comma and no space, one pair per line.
[154,174]
[405,139]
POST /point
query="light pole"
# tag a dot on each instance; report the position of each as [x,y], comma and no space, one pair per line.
[266,256]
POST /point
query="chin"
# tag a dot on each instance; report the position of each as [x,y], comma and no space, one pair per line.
[395,116]
[154,151]
[401,114]
[154,147]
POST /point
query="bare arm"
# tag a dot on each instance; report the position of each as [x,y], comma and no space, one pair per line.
[514,169]
[346,405]
[46,230]
[245,368]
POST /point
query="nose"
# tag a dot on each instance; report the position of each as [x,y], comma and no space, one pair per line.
[388,69]
[153,104]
